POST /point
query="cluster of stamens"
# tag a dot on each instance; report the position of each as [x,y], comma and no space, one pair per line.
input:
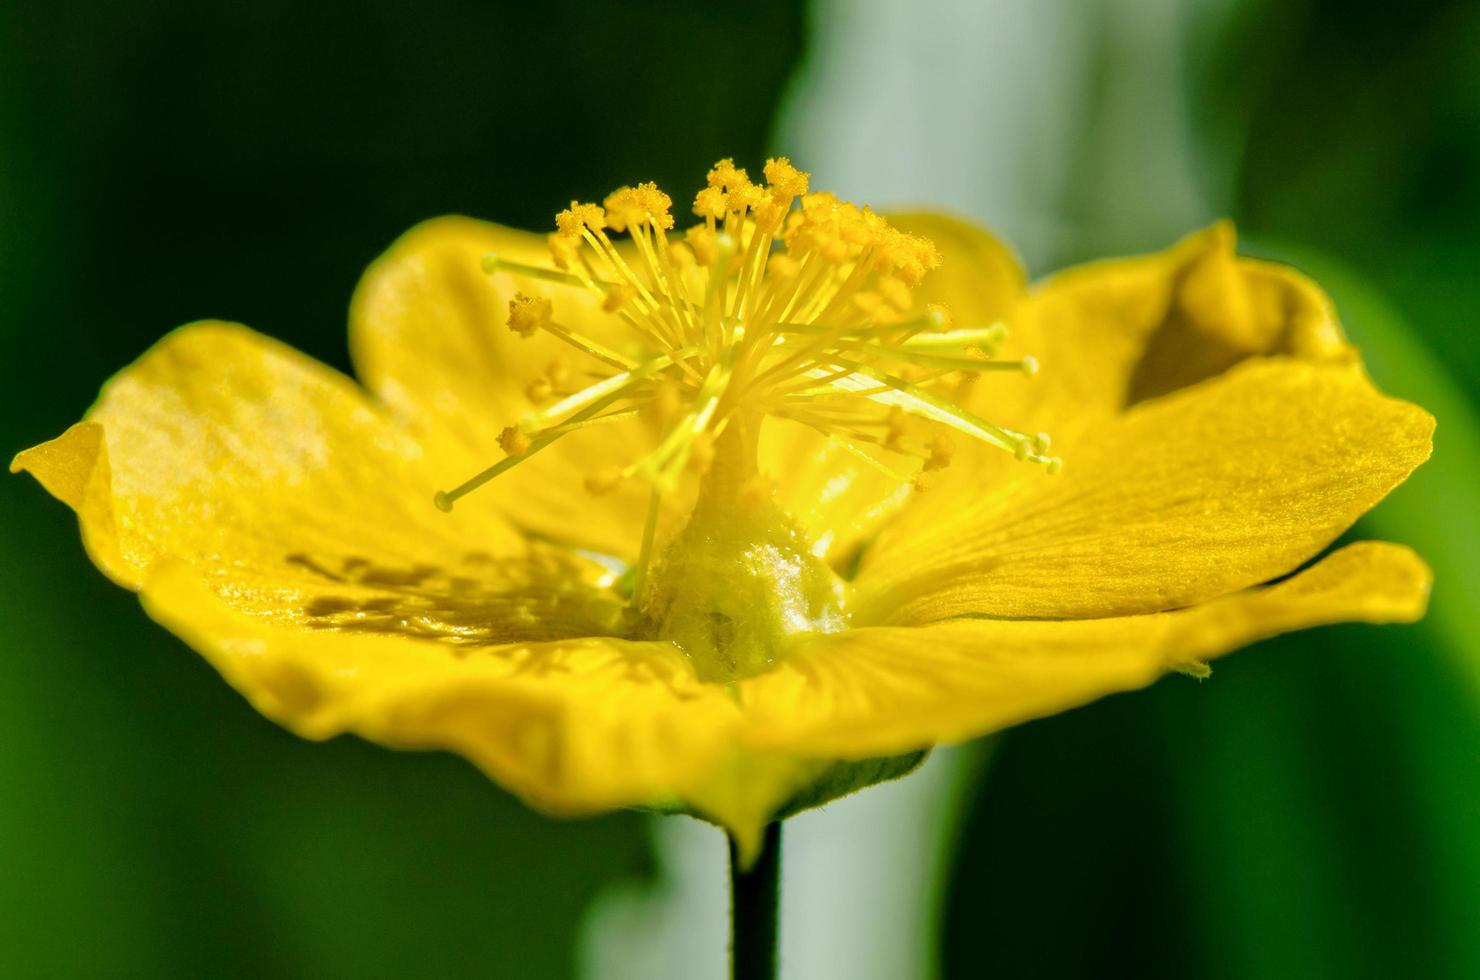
[781,302]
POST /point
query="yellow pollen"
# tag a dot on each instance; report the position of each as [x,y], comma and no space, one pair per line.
[512,441]
[726,175]
[529,314]
[577,217]
[785,180]
[710,203]
[630,207]
[783,302]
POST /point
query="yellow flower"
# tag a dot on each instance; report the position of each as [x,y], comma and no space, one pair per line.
[742,527]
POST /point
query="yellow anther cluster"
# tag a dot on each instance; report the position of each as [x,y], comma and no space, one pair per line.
[529,314]
[711,202]
[573,220]
[730,190]
[513,441]
[842,232]
[782,302]
[627,207]
[726,175]
[785,180]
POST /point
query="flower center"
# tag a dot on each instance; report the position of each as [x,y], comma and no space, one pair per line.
[781,303]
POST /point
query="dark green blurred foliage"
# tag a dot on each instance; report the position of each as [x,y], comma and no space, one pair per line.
[1293,816]
[1312,810]
[1364,141]
[164,161]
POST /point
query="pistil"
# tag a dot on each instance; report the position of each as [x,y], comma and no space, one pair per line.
[739,583]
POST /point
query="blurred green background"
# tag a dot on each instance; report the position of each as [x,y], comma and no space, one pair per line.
[1311,811]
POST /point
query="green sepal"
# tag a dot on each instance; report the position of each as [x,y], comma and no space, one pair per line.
[834,779]
[841,778]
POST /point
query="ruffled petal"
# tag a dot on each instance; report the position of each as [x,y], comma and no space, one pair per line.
[1184,498]
[883,690]
[571,726]
[1110,334]
[297,499]
[429,335]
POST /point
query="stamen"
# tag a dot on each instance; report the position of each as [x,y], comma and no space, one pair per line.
[496,263]
[645,554]
[781,301]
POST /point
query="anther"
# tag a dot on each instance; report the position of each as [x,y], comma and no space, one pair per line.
[784,179]
[574,219]
[529,314]
[512,441]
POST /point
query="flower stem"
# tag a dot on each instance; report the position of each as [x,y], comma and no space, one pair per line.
[754,897]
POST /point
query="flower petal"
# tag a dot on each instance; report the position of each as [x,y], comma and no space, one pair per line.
[837,498]
[297,499]
[428,335]
[571,726]
[1110,334]
[1184,498]
[883,690]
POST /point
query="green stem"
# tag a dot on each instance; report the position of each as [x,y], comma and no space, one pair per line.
[754,898]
